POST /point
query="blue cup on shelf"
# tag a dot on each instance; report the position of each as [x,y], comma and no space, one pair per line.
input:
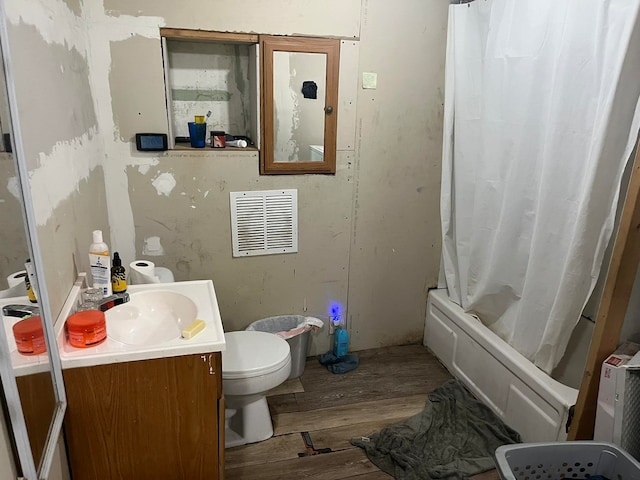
[197,134]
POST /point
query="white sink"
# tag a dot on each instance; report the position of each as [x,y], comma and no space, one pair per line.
[149,325]
[151,318]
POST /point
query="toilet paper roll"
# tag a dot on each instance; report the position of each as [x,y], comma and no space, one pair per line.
[142,272]
[16,278]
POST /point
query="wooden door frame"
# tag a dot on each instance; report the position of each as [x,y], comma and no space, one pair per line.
[613,306]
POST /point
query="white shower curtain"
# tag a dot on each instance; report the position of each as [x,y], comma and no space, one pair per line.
[541,114]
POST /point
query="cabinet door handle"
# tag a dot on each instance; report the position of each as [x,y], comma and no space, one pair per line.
[328,110]
[210,359]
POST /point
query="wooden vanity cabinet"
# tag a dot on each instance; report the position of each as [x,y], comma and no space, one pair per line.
[148,419]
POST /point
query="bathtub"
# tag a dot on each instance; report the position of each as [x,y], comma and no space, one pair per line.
[526,398]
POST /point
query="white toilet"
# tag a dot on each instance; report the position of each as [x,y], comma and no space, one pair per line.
[253,363]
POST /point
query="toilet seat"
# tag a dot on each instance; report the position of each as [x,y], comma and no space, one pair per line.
[252,353]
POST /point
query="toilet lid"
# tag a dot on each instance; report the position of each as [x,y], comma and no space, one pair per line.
[249,354]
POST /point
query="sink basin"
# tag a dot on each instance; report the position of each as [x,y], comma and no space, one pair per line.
[149,326]
[151,318]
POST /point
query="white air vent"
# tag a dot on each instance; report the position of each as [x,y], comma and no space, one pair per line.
[264,222]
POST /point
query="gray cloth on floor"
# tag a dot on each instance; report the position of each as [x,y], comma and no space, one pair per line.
[342,364]
[455,436]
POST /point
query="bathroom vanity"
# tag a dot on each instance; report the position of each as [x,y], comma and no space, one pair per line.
[148,419]
[152,407]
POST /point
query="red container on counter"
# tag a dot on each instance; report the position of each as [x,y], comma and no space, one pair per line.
[86,329]
[29,336]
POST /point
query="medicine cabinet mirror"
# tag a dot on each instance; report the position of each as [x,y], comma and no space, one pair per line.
[32,386]
[299,104]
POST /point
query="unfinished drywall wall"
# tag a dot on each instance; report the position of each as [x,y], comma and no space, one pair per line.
[14,250]
[369,237]
[137,95]
[67,236]
[178,203]
[396,233]
[61,142]
[334,18]
[193,226]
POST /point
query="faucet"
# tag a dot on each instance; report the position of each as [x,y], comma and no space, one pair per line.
[20,311]
[111,301]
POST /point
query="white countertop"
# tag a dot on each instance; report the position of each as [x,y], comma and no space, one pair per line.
[211,339]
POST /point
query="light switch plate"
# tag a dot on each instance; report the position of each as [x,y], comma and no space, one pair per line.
[369,80]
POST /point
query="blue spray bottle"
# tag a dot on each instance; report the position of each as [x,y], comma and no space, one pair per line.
[340,338]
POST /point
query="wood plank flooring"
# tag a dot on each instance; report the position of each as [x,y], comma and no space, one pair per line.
[390,384]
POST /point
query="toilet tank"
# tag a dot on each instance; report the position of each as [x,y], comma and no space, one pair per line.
[317,153]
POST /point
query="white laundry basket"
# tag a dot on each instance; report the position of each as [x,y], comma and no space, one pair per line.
[565,460]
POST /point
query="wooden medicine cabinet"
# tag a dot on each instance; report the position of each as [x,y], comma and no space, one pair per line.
[281,92]
[299,104]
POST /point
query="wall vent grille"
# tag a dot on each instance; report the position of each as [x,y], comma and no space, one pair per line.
[264,222]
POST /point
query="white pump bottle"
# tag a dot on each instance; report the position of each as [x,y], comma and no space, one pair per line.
[100,264]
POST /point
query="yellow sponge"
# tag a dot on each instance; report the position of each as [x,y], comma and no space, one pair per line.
[193,329]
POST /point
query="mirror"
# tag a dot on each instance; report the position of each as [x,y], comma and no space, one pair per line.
[299,114]
[32,382]
[298,106]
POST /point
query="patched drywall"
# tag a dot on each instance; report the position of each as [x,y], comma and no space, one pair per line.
[335,18]
[193,226]
[66,236]
[75,6]
[395,255]
[369,237]
[43,71]
[14,250]
[62,145]
[136,81]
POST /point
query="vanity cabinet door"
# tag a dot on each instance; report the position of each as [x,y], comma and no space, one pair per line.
[149,419]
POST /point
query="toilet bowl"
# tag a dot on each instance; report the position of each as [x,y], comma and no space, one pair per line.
[253,363]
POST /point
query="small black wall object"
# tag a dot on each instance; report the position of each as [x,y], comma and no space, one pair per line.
[310,89]
[6,140]
[151,142]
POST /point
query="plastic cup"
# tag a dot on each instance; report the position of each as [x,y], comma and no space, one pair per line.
[87,305]
[197,134]
[199,118]
[92,295]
